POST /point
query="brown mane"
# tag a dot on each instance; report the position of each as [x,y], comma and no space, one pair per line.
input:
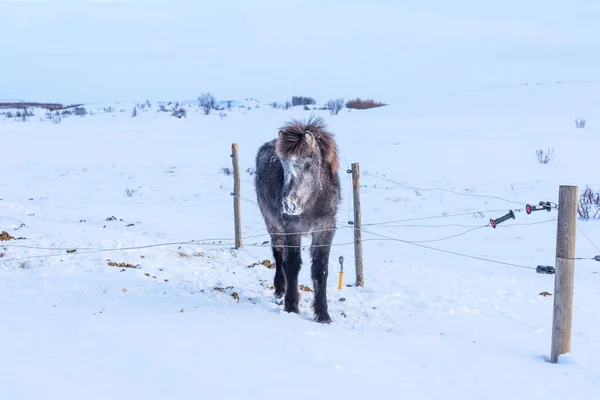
[292,141]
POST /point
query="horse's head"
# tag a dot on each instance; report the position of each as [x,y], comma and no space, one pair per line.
[308,156]
[300,177]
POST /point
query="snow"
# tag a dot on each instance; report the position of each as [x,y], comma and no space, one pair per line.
[427,324]
[473,92]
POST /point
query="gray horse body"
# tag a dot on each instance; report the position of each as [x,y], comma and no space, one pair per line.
[298,192]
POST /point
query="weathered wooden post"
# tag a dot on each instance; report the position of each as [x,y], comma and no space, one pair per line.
[237,210]
[565,271]
[358,259]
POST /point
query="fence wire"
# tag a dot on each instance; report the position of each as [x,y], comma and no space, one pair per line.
[229,243]
[442,190]
[451,252]
[588,238]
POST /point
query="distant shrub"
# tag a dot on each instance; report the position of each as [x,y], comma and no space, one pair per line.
[19,116]
[207,102]
[334,106]
[281,106]
[302,101]
[361,104]
[22,115]
[80,111]
[134,112]
[580,123]
[29,104]
[589,204]
[544,158]
[179,112]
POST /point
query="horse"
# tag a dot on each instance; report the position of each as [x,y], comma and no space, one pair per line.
[298,191]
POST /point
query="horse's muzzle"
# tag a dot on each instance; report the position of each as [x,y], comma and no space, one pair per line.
[291,207]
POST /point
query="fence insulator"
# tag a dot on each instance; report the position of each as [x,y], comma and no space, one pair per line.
[545,269]
[542,206]
[497,221]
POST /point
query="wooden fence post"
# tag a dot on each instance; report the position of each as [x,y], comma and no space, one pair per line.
[358,259]
[564,272]
[237,210]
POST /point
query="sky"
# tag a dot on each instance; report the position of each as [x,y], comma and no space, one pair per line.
[105,51]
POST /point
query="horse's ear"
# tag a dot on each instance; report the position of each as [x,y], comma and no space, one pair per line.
[310,140]
[280,133]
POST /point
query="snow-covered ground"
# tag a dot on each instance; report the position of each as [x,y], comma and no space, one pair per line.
[427,324]
[474,91]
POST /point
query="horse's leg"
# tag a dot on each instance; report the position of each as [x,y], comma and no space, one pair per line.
[275,229]
[320,249]
[278,252]
[291,265]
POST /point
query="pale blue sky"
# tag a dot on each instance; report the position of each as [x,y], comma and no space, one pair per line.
[98,51]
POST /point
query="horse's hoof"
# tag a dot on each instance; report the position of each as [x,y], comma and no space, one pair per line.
[323,319]
[292,309]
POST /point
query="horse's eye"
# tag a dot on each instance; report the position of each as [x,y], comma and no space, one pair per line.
[306,166]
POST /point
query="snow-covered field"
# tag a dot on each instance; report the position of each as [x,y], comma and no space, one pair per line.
[427,324]
[451,309]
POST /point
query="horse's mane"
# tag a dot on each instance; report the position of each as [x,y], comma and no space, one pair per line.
[292,141]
